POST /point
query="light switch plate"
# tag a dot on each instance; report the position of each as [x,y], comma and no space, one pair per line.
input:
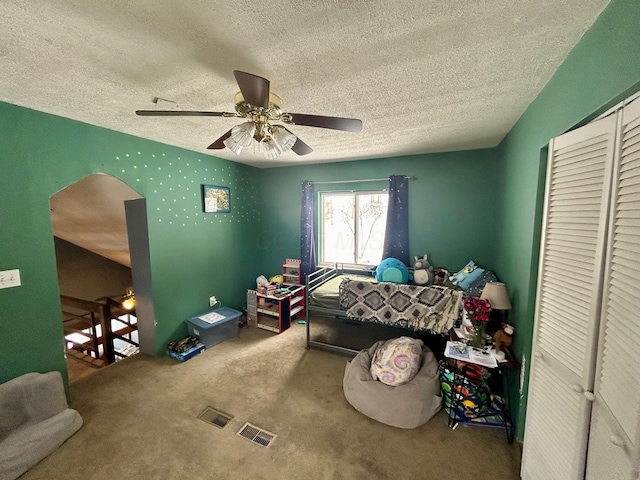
[10,278]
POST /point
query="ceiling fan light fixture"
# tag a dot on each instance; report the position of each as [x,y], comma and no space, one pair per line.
[241,137]
[270,149]
[283,138]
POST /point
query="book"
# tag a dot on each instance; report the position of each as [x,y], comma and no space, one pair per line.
[467,353]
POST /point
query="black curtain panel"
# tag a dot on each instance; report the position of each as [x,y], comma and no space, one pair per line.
[396,239]
[307,234]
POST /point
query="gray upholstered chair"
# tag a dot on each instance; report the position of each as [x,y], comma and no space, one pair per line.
[34,421]
[404,406]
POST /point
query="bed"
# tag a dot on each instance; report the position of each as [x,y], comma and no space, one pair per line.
[357,296]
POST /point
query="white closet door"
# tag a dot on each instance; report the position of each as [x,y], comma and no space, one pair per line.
[568,302]
[613,440]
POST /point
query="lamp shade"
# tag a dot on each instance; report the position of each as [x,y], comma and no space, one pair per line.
[496,293]
[241,137]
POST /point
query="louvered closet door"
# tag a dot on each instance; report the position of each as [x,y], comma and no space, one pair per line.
[568,301]
[613,439]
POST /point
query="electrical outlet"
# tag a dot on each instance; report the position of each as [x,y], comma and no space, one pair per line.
[10,278]
[212,301]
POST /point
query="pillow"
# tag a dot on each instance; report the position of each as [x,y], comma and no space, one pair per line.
[475,288]
[467,275]
[397,361]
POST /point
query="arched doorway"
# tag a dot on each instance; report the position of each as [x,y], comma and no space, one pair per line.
[94,264]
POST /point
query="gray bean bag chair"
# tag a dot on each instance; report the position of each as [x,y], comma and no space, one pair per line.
[404,406]
[34,421]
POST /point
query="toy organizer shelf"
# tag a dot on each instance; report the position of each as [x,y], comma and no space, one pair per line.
[275,313]
[291,271]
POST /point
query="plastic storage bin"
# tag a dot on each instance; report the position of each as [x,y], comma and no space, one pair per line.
[222,326]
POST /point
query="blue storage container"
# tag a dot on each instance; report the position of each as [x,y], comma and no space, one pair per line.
[186,355]
[214,326]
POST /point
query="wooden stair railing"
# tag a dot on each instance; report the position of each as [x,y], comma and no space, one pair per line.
[124,333]
[93,320]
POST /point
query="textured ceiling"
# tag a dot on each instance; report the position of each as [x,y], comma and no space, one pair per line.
[90,213]
[423,75]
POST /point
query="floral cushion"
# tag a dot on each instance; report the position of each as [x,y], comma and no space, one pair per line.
[397,361]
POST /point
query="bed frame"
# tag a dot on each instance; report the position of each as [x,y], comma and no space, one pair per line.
[315,280]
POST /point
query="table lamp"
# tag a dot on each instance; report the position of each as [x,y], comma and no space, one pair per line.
[496,293]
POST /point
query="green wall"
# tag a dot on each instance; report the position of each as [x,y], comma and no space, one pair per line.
[603,69]
[481,205]
[193,254]
[454,204]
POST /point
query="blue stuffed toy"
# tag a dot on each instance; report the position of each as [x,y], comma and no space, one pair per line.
[392,270]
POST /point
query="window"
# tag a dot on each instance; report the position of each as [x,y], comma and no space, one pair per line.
[352,227]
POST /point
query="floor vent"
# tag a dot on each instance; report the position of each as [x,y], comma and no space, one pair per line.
[215,417]
[257,435]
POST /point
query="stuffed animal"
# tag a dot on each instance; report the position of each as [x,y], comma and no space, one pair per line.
[467,275]
[503,337]
[392,270]
[277,279]
[422,272]
[440,276]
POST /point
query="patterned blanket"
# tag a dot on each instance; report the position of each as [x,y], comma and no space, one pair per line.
[433,308]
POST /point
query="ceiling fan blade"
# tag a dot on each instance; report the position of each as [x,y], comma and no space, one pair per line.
[219,143]
[299,147]
[255,89]
[335,123]
[182,113]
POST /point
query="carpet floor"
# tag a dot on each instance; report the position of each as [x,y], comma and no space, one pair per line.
[141,422]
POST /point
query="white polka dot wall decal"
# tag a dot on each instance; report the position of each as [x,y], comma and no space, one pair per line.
[163,154]
[153,155]
[137,179]
[161,183]
[170,188]
[171,163]
[138,153]
[170,222]
[159,168]
[126,154]
[150,178]
[117,158]
[123,170]
[163,199]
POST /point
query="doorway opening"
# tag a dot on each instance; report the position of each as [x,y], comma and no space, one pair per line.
[94,272]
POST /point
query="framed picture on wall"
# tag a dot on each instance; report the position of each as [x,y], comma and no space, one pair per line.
[216,199]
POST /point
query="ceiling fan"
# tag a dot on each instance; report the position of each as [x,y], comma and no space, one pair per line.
[261,108]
